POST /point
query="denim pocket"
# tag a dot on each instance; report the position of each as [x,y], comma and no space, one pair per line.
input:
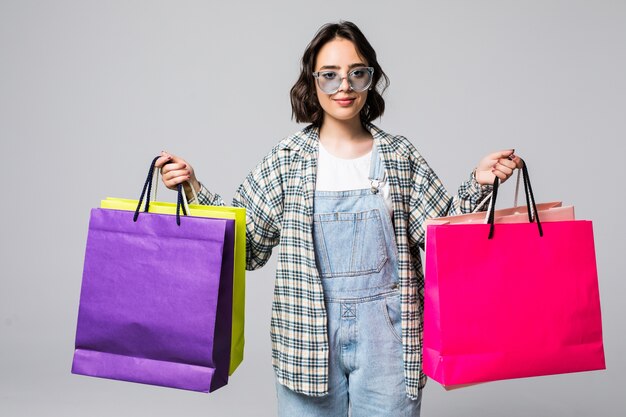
[393,315]
[349,244]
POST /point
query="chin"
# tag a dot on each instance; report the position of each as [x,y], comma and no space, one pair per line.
[344,114]
[343,117]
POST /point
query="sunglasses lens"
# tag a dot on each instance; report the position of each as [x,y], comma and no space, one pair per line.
[329,81]
[360,79]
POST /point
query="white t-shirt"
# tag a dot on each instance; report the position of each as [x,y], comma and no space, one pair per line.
[339,174]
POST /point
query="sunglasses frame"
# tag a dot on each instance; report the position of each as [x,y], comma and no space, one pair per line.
[317,74]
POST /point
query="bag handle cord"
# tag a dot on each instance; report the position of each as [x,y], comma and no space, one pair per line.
[531,206]
[147,186]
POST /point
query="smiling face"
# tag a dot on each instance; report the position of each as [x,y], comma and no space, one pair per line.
[340,55]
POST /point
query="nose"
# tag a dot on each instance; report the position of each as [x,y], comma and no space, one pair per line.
[345,85]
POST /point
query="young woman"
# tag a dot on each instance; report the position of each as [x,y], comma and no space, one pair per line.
[347,202]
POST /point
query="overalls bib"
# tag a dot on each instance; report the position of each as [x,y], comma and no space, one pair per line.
[357,260]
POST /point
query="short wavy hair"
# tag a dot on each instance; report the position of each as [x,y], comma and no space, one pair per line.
[305,107]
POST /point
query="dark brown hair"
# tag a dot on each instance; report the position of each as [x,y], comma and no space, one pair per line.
[305,107]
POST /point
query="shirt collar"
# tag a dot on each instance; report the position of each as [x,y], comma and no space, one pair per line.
[306,141]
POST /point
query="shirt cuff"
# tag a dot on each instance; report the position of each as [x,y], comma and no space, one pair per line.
[476,188]
[193,199]
[479,194]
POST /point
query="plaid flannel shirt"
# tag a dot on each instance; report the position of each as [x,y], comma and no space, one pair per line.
[278,195]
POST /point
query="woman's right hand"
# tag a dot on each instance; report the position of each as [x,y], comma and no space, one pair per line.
[174,171]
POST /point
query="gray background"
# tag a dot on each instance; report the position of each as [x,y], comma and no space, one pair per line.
[91,90]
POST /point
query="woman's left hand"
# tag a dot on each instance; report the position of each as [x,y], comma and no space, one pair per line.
[498,164]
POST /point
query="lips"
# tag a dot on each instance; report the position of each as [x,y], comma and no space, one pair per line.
[344,101]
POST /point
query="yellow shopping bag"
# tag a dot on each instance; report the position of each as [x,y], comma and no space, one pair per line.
[239,270]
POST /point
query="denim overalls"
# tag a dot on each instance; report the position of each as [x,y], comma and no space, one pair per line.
[357,260]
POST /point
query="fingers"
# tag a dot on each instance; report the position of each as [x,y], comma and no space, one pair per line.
[518,161]
[500,164]
[504,166]
[174,174]
[500,174]
[174,170]
[501,154]
[162,160]
[166,158]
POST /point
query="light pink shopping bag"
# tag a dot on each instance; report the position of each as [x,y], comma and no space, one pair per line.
[523,302]
[549,212]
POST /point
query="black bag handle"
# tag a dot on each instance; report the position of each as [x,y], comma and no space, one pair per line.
[531,206]
[148,187]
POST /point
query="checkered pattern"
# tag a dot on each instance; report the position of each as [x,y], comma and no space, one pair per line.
[278,195]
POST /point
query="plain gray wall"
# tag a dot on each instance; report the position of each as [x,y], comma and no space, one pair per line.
[91,90]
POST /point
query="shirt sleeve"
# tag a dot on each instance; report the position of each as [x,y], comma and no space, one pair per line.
[429,199]
[261,195]
[470,195]
[205,197]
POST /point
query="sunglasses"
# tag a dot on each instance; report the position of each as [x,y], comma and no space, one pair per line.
[359,79]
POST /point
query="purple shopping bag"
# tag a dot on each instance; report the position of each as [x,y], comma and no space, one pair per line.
[156,300]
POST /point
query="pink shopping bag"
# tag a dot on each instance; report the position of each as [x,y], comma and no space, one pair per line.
[511,300]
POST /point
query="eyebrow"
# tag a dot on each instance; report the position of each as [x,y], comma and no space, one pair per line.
[336,67]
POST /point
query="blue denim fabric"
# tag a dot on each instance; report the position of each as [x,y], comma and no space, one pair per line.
[356,257]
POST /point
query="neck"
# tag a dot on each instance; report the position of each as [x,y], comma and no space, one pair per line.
[345,138]
[333,129]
